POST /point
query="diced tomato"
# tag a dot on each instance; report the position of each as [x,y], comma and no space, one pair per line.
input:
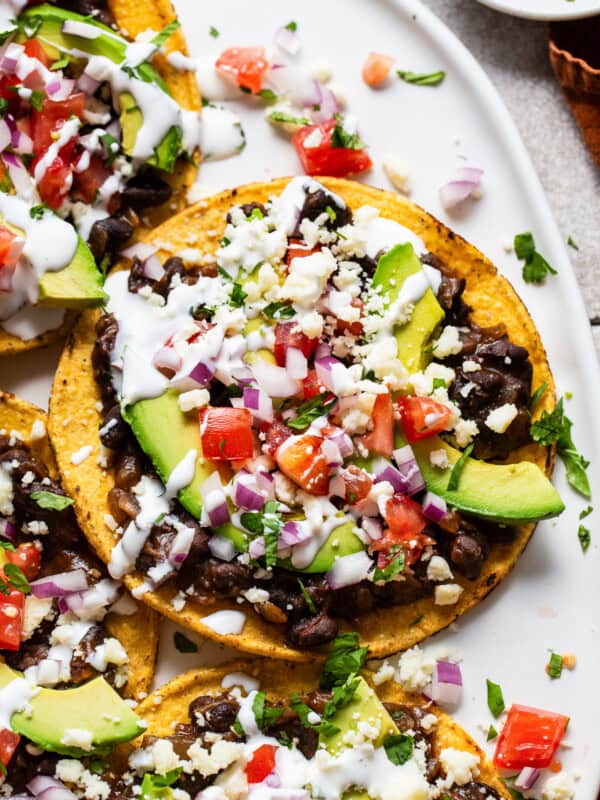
[405,523]
[275,434]
[261,763]
[34,49]
[376,68]
[324,159]
[8,744]
[28,558]
[312,386]
[422,417]
[529,738]
[304,463]
[11,246]
[289,334]
[297,248]
[246,65]
[11,618]
[226,433]
[55,183]
[12,98]
[91,179]
[351,328]
[380,440]
[53,115]
[358,484]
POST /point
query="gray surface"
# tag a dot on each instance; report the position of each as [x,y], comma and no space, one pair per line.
[514,53]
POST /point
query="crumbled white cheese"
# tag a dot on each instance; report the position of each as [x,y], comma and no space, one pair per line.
[559,787]
[92,786]
[78,737]
[164,757]
[415,669]
[311,324]
[447,594]
[438,569]
[464,432]
[384,673]
[428,721]
[397,169]
[449,343]
[38,430]
[439,458]
[80,455]
[222,754]
[256,595]
[35,611]
[471,366]
[460,766]
[196,398]
[6,493]
[499,419]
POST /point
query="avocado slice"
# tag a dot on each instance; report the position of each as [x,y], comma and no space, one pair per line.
[78,285]
[512,494]
[166,435]
[93,706]
[342,541]
[393,269]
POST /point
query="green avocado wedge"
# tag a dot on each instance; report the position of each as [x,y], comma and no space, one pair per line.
[52,713]
[78,285]
[512,494]
[392,271]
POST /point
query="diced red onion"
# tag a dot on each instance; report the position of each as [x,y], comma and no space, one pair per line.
[221,548]
[5,135]
[246,493]
[296,364]
[60,88]
[287,40]
[297,85]
[328,106]
[167,358]
[8,530]
[259,403]
[527,778]
[90,601]
[408,467]
[273,781]
[24,143]
[323,351]
[56,793]
[202,374]
[41,782]
[11,53]
[333,374]
[153,269]
[87,84]
[332,453]
[274,380]
[180,546]
[215,507]
[348,570]
[266,484]
[60,584]
[434,507]
[446,686]
[256,549]
[373,527]
[343,442]
[141,250]
[337,486]
[294,532]
[21,180]
[392,475]
[465,182]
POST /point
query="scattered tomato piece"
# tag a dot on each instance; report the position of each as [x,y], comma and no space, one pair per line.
[35,49]
[405,521]
[421,417]
[28,558]
[380,439]
[323,158]
[11,619]
[246,65]
[91,179]
[297,248]
[275,434]
[8,744]
[289,334]
[529,738]
[358,484]
[312,386]
[376,69]
[226,433]
[261,763]
[303,462]
[11,246]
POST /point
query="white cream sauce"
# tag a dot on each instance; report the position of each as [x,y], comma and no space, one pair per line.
[222,134]
[15,697]
[225,622]
[29,322]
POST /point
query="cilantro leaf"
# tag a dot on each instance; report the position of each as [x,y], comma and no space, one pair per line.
[536,268]
[586,512]
[554,427]
[16,578]
[495,699]
[342,696]
[268,95]
[278,310]
[555,666]
[37,98]
[166,32]
[292,26]
[458,467]
[346,657]
[183,644]
[37,212]
[153,784]
[572,244]
[307,598]
[212,31]
[537,395]
[9,546]
[422,78]
[585,537]
[491,734]
[61,63]
[395,566]
[238,295]
[301,709]
[110,149]
[307,413]
[282,116]
[349,141]
[269,523]
[399,748]
[264,715]
[50,500]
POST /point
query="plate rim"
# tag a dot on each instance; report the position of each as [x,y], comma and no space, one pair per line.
[505,7]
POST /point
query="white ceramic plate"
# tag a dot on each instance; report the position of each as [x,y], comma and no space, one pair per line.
[552,599]
[546,9]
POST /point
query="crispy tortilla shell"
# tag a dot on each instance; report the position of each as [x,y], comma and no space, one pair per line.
[134,17]
[74,421]
[138,632]
[169,705]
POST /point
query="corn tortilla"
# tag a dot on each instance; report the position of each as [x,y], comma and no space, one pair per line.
[134,17]
[138,632]
[74,421]
[169,705]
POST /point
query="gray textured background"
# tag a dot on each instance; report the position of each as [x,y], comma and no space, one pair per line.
[514,53]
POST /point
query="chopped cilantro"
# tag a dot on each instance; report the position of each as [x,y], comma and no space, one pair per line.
[536,267]
[301,709]
[37,212]
[225,242]
[307,413]
[183,644]
[491,734]
[268,95]
[584,536]
[422,78]
[282,116]
[9,546]
[416,621]
[571,243]
[98,766]
[3,106]
[264,715]
[61,63]
[438,383]
[395,566]
[110,149]
[495,700]
[30,24]
[212,31]
[166,32]
[37,98]
[399,748]
[331,214]
[277,310]
[256,213]
[341,138]
[267,523]
[537,395]
[307,598]
[238,295]
[153,785]
[555,666]
[555,428]
[50,500]
[457,469]
[343,695]
[345,658]
[586,512]
[16,578]
[292,26]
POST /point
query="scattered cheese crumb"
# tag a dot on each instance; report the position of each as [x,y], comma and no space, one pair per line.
[397,169]
[439,458]
[449,343]
[438,569]
[80,456]
[78,737]
[559,787]
[38,430]
[447,594]
[499,419]
[196,398]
